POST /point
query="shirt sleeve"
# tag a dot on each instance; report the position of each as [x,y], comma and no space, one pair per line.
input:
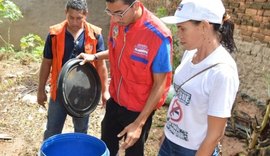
[100,44]
[47,52]
[162,62]
[225,85]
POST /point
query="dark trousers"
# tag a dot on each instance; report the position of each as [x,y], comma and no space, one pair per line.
[115,120]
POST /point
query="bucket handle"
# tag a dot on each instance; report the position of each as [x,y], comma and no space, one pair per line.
[41,153]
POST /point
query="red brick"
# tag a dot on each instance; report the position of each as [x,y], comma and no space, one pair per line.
[256,5]
[240,15]
[260,12]
[251,12]
[267,39]
[249,28]
[258,36]
[246,17]
[236,21]
[256,24]
[266,20]
[266,5]
[234,4]
[266,13]
[266,32]
[257,18]
[246,33]
[243,27]
[256,29]
[260,0]
[241,10]
[247,38]
[242,3]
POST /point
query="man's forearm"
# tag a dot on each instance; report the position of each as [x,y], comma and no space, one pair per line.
[44,73]
[102,55]
[153,99]
[103,74]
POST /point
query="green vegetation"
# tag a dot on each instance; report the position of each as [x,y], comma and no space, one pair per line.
[31,45]
[9,13]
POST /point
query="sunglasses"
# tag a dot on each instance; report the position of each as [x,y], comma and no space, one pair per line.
[119,15]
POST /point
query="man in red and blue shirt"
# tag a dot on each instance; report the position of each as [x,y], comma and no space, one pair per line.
[140,63]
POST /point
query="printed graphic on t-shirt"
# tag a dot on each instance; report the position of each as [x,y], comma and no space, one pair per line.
[182,99]
[183,96]
[176,112]
[176,131]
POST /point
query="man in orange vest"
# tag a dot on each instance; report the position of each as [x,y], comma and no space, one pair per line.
[140,66]
[65,41]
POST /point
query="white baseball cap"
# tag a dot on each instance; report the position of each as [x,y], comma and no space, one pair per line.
[198,10]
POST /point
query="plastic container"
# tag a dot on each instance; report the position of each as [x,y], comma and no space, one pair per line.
[73,144]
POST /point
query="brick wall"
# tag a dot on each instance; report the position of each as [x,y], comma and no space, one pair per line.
[252,18]
[252,37]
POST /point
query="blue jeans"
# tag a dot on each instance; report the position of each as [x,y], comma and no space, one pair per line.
[56,118]
[169,148]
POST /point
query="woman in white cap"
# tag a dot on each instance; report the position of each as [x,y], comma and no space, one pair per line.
[205,83]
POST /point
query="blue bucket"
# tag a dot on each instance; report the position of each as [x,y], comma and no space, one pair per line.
[74,144]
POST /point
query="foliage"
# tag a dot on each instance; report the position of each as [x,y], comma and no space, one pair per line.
[10,12]
[1,8]
[6,51]
[31,49]
[161,11]
[32,44]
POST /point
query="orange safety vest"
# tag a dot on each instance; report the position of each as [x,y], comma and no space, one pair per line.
[132,51]
[58,32]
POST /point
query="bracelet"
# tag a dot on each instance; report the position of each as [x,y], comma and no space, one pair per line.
[95,57]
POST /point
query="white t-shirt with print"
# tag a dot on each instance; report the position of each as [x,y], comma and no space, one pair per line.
[210,93]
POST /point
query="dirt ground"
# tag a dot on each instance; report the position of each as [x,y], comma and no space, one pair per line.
[22,121]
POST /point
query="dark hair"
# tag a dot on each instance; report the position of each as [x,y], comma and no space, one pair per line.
[129,2]
[225,32]
[77,5]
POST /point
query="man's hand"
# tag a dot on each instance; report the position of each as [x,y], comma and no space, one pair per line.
[41,98]
[86,58]
[132,133]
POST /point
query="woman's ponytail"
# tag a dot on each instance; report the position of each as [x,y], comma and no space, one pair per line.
[226,31]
